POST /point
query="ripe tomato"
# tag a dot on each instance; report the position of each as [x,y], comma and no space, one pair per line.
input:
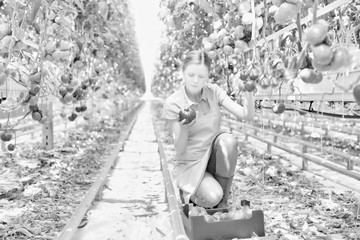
[318,78]
[250,86]
[276,2]
[320,67]
[316,34]
[342,58]
[286,13]
[189,114]
[212,54]
[228,50]
[239,32]
[244,75]
[278,108]
[307,75]
[227,40]
[11,147]
[265,83]
[323,54]
[208,46]
[310,76]
[36,116]
[254,74]
[272,10]
[5,29]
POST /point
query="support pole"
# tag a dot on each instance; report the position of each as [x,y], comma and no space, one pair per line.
[48,128]
[304,161]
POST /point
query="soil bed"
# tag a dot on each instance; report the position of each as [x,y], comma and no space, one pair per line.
[51,184]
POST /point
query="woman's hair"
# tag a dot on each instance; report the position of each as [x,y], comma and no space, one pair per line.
[196,57]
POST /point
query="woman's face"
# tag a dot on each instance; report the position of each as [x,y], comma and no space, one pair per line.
[195,77]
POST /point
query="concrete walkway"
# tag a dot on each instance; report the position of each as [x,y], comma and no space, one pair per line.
[133,205]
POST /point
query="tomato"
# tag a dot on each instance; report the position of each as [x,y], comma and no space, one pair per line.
[254,74]
[189,114]
[36,115]
[276,2]
[320,67]
[227,40]
[286,13]
[278,108]
[244,75]
[208,46]
[307,75]
[72,117]
[68,97]
[244,7]
[33,100]
[50,47]
[5,136]
[239,31]
[272,10]
[242,45]
[265,83]
[237,215]
[224,216]
[318,78]
[323,54]
[35,89]
[342,58]
[316,34]
[5,30]
[35,78]
[278,128]
[228,50]
[65,45]
[65,78]
[293,1]
[356,93]
[212,54]
[250,86]
[248,18]
[11,147]
[308,3]
[209,218]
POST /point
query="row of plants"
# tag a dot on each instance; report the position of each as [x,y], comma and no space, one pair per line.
[234,33]
[66,52]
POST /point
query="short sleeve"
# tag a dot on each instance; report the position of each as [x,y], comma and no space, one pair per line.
[170,110]
[220,94]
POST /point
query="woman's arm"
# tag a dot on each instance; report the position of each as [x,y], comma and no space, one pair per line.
[180,135]
[245,112]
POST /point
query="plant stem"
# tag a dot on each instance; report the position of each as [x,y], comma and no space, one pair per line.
[315,10]
[299,30]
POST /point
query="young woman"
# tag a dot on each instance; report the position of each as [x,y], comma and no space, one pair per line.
[206,156]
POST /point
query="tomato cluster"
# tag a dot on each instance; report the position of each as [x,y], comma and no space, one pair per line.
[244,212]
[325,56]
[6,136]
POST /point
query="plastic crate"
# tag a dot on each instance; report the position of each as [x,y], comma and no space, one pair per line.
[200,229]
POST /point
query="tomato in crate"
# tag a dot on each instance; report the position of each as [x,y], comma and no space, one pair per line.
[223,223]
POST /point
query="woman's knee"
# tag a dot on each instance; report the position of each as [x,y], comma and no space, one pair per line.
[227,152]
[209,193]
[227,141]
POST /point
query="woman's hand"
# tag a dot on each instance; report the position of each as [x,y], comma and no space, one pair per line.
[245,112]
[186,125]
